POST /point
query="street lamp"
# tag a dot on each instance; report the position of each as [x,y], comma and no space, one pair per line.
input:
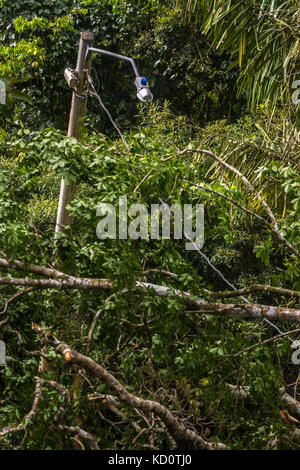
[143,90]
[78,79]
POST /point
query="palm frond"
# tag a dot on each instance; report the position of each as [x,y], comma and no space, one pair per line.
[262,38]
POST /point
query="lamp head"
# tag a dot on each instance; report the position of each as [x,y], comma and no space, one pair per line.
[143,90]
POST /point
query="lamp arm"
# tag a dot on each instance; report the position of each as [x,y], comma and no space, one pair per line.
[112,54]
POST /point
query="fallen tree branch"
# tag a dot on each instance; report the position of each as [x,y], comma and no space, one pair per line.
[64,281]
[68,283]
[231,293]
[196,304]
[175,427]
[226,310]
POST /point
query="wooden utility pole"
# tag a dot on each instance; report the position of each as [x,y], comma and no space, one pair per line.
[78,110]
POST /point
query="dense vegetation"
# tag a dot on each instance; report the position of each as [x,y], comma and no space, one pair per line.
[88,341]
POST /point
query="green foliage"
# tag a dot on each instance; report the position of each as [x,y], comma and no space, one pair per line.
[190,353]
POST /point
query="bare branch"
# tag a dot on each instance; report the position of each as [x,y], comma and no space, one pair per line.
[175,427]
[292,405]
[80,433]
[161,272]
[68,283]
